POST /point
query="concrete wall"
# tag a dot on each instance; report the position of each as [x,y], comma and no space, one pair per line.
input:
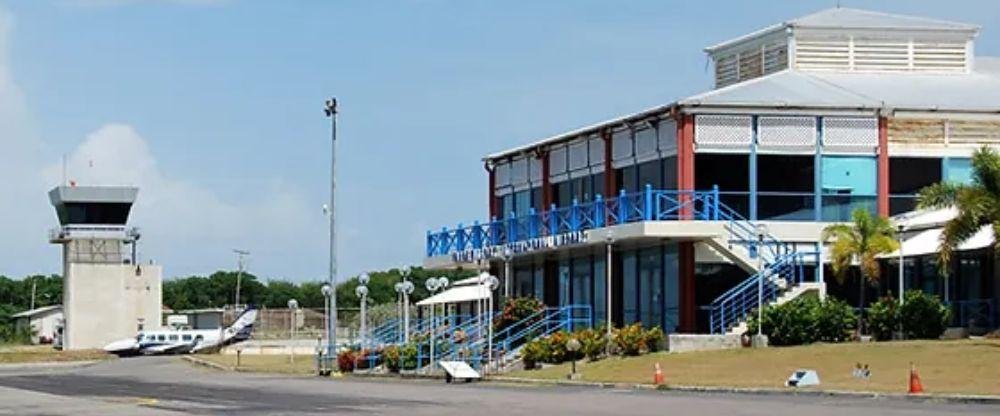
[107,302]
[699,342]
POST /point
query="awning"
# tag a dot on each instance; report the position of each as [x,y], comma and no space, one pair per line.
[928,242]
[457,294]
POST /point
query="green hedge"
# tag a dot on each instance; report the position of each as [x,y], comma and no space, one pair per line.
[922,316]
[805,320]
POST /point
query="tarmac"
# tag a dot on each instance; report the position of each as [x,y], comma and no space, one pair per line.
[171,386]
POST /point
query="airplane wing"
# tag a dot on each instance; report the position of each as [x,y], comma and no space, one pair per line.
[167,348]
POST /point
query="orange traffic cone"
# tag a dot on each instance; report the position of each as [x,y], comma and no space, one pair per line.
[915,386]
[658,375]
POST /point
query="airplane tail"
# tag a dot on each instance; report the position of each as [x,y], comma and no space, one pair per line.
[241,329]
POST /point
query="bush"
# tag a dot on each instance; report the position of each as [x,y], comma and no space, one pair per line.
[883,318]
[408,356]
[516,310]
[654,338]
[345,361]
[534,352]
[557,347]
[593,342]
[805,320]
[630,340]
[390,356]
[923,316]
[835,321]
[366,359]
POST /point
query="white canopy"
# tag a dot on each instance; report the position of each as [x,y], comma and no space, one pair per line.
[457,294]
[928,241]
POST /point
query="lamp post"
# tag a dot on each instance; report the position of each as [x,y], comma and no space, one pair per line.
[573,345]
[433,285]
[327,293]
[760,340]
[899,235]
[293,307]
[362,292]
[491,284]
[405,288]
[607,263]
[508,255]
[330,109]
[240,264]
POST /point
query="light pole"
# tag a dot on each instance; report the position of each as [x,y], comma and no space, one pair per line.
[760,340]
[433,285]
[293,307]
[491,284]
[327,293]
[405,288]
[899,237]
[240,264]
[362,292]
[508,255]
[607,262]
[330,109]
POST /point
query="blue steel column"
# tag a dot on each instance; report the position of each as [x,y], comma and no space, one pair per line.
[753,168]
[818,173]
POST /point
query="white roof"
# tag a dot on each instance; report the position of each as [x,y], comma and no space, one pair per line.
[37,311]
[928,242]
[457,294]
[978,91]
[847,18]
[925,218]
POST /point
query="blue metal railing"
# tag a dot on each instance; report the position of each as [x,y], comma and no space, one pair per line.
[648,205]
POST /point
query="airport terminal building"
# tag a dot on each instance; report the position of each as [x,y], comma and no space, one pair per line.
[688,204]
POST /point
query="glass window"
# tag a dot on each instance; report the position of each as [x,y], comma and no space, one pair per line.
[907,176]
[651,286]
[506,205]
[625,178]
[581,281]
[186,337]
[600,289]
[161,338]
[522,202]
[731,173]
[670,172]
[672,289]
[650,173]
[523,280]
[539,285]
[957,170]
[563,194]
[173,337]
[785,187]
[536,199]
[629,289]
[564,282]
[598,183]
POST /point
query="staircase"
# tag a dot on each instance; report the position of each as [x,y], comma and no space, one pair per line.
[777,269]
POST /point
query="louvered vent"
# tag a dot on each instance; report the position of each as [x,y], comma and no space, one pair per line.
[725,71]
[871,54]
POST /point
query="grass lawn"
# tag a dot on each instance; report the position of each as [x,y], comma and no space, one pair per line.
[14,354]
[966,366]
[304,364]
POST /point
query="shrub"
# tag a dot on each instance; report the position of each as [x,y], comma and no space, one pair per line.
[534,352]
[883,318]
[366,359]
[923,316]
[592,343]
[806,320]
[390,356]
[408,356]
[654,338]
[834,321]
[557,347]
[345,361]
[516,310]
[630,339]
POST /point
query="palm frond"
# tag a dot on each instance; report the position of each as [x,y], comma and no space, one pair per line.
[986,169]
[939,195]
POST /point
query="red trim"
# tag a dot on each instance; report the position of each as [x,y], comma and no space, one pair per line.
[883,168]
[546,184]
[493,192]
[609,168]
[685,157]
[685,270]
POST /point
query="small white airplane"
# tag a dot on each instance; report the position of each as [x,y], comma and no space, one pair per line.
[185,341]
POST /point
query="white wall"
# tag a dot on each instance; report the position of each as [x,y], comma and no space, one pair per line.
[107,302]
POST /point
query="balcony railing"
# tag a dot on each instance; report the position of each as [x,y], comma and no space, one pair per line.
[648,205]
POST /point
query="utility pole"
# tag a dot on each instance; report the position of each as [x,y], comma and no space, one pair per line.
[240,264]
[330,109]
[34,285]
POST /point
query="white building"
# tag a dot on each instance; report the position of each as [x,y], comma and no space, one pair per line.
[44,323]
[106,295]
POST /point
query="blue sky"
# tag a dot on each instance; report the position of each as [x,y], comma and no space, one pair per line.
[214,107]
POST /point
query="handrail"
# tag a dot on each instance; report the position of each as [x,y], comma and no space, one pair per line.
[646,205]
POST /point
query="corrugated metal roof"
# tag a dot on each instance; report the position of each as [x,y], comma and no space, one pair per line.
[973,92]
[37,311]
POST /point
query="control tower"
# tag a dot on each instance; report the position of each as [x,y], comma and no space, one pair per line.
[107,295]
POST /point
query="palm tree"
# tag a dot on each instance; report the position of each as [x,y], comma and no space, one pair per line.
[862,242]
[978,203]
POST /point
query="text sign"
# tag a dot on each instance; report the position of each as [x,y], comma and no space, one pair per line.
[518,247]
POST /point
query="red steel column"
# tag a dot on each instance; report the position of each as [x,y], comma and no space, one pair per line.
[688,307]
[546,184]
[609,169]
[493,192]
[685,157]
[882,201]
